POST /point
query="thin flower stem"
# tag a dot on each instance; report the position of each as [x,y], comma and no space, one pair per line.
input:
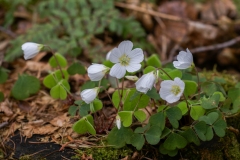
[54,55]
[110,100]
[119,94]
[138,102]
[198,81]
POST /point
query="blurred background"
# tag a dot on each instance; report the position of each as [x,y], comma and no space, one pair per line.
[89,29]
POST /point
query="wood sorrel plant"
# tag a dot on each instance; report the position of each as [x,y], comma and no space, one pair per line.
[186,109]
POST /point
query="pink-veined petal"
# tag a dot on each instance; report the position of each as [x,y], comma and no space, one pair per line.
[133,67]
[125,46]
[117,71]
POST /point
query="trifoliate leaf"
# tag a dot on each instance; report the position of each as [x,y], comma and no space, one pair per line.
[158,119]
[61,61]
[175,141]
[220,127]
[210,118]
[190,88]
[126,117]
[171,153]
[72,110]
[183,107]
[196,112]
[84,125]
[153,134]
[25,86]
[148,69]
[97,104]
[53,78]
[153,94]
[58,92]
[212,102]
[119,137]
[140,115]
[191,136]
[76,68]
[154,61]
[174,114]
[201,128]
[137,140]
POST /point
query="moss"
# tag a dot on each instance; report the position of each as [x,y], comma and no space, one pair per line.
[102,153]
[232,147]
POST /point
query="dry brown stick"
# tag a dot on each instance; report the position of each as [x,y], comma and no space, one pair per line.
[147,11]
[216,46]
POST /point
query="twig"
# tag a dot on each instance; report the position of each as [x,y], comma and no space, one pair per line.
[147,11]
[3,124]
[216,46]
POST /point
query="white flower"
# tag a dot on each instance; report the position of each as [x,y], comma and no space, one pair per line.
[125,59]
[31,49]
[88,95]
[97,71]
[132,78]
[171,91]
[118,122]
[146,82]
[108,55]
[185,60]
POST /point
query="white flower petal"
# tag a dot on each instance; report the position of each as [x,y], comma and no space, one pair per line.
[171,98]
[117,71]
[136,55]
[179,65]
[185,60]
[118,122]
[146,82]
[132,78]
[133,67]
[97,71]
[108,55]
[88,95]
[125,46]
[31,49]
[115,55]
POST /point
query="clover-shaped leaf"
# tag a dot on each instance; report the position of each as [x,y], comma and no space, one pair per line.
[222,98]
[172,73]
[96,105]
[25,86]
[171,153]
[201,128]
[191,136]
[61,61]
[119,137]
[158,119]
[174,114]
[210,87]
[153,94]
[137,140]
[183,107]
[84,125]
[126,117]
[60,90]
[142,129]
[220,127]
[53,78]
[140,115]
[76,68]
[196,112]
[212,102]
[175,141]
[190,88]
[148,69]
[153,134]
[210,118]
[209,133]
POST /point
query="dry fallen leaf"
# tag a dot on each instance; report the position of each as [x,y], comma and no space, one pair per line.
[60,121]
[5,108]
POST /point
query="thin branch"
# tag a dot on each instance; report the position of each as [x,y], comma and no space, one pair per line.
[147,11]
[216,46]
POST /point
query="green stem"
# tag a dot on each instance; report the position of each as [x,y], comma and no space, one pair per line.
[54,55]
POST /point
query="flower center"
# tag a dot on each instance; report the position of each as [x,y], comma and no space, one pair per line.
[175,90]
[124,60]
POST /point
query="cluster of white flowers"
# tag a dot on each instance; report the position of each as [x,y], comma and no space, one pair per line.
[126,59]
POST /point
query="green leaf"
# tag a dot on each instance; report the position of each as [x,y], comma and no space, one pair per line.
[165,132]
[119,137]
[76,68]
[140,115]
[196,112]
[84,125]
[210,87]
[53,78]
[87,85]
[174,114]
[172,73]
[190,88]
[154,61]
[171,153]
[191,136]
[72,110]
[201,128]
[3,75]
[25,86]
[126,117]
[209,133]
[58,92]
[1,97]
[142,129]
[220,127]
[158,119]
[183,107]
[153,94]
[222,98]
[175,141]
[61,61]
[148,69]
[137,140]
[210,118]
[234,94]
[153,134]
[212,102]
[97,104]
[84,109]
